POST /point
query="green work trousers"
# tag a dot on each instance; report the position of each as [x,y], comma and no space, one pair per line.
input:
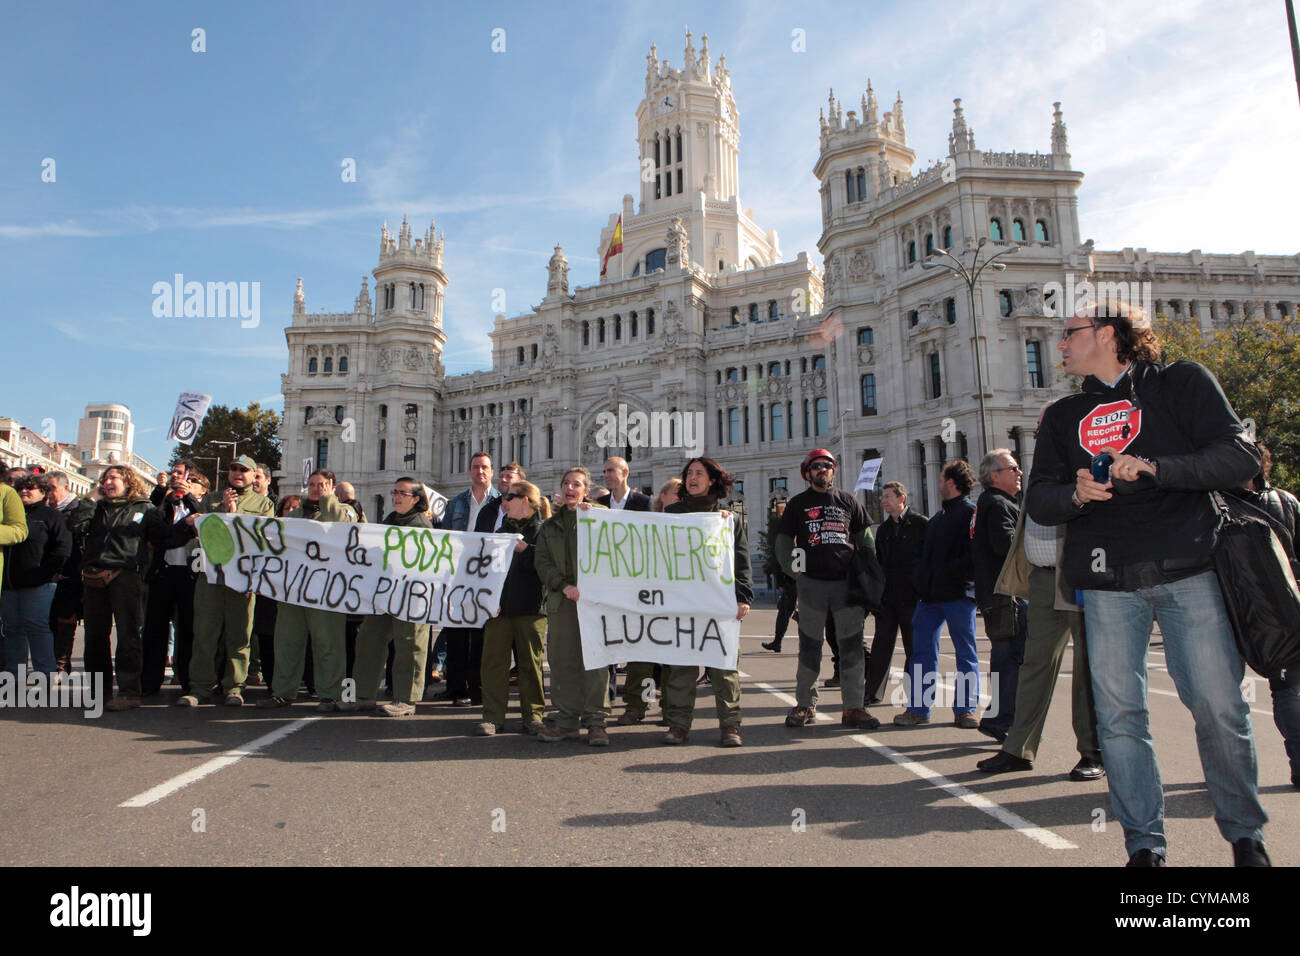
[634,687]
[328,630]
[1049,630]
[580,696]
[410,648]
[525,633]
[678,700]
[223,626]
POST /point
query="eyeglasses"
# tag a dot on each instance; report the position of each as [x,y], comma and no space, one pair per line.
[1015,468]
[403,494]
[239,468]
[1065,336]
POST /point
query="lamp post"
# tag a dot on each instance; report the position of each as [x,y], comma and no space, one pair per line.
[218,461]
[234,446]
[970,274]
[844,455]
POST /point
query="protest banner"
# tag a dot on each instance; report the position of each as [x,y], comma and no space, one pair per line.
[444,578]
[657,587]
[867,477]
[190,409]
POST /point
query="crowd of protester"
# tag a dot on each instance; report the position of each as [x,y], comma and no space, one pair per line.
[1024,559]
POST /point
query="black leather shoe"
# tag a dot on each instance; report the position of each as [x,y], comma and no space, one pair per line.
[772,646]
[1088,768]
[1248,852]
[1003,762]
[1145,857]
[999,735]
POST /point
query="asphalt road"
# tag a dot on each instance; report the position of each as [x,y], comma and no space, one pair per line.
[358,789]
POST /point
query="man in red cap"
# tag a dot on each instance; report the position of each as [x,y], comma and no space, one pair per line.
[817,540]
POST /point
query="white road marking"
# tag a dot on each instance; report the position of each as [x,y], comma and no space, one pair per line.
[1047,838]
[168,787]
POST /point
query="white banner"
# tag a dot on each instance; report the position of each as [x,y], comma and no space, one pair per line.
[867,477]
[657,587]
[190,409]
[445,578]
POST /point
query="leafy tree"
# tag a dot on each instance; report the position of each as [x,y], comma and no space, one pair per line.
[1257,361]
[254,428]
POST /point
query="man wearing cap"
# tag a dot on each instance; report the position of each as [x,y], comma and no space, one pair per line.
[817,540]
[223,618]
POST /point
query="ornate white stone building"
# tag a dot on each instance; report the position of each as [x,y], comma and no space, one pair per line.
[699,315]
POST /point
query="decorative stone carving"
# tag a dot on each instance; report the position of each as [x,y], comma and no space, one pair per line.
[550,347]
[557,282]
[414,358]
[679,244]
[672,323]
[829,278]
[861,265]
[865,355]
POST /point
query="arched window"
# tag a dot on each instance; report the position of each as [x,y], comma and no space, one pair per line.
[383,453]
[733,375]
[936,376]
[753,311]
[851,186]
[950,310]
[819,363]
[735,315]
[866,336]
[649,321]
[911,251]
[913,318]
[343,365]
[778,422]
[329,364]
[929,243]
[311,365]
[1004,302]
[586,333]
[338,414]
[1018,230]
[419,304]
[1040,231]
[655,259]
[821,417]
[408,454]
[533,352]
[678,136]
[772,313]
[410,295]
[868,395]
[733,426]
[995,229]
[519,355]
[600,331]
[307,413]
[947,237]
[618,328]
[633,331]
[862,183]
[773,368]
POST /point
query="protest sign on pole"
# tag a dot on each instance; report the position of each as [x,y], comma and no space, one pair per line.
[190,409]
[437,503]
[867,477]
[306,472]
[657,587]
[446,578]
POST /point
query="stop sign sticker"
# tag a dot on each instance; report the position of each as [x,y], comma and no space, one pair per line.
[1115,424]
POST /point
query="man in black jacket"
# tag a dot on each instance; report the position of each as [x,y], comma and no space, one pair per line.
[1139,545]
[621,497]
[944,579]
[30,570]
[996,515]
[171,583]
[898,544]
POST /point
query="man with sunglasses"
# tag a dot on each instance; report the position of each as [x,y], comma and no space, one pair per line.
[223,618]
[817,540]
[1139,544]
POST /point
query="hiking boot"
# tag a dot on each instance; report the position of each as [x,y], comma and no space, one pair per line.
[267,704]
[326,706]
[731,737]
[629,718]
[122,703]
[909,719]
[675,735]
[486,729]
[597,737]
[553,735]
[966,721]
[1248,852]
[234,699]
[859,718]
[832,681]
[801,716]
[395,709]
[532,728]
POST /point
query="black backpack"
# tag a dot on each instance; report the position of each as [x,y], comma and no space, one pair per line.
[1258,584]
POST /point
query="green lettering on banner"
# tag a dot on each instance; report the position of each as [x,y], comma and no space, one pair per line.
[602,547]
[620,553]
[695,537]
[660,547]
[584,561]
[392,542]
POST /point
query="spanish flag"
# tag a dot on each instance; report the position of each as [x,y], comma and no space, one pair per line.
[615,245]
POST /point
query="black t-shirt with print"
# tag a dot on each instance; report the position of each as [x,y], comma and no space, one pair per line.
[825,525]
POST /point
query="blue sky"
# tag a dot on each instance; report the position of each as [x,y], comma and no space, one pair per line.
[225,165]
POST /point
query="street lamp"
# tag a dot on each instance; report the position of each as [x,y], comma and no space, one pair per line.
[844,455]
[970,274]
[217,460]
[234,446]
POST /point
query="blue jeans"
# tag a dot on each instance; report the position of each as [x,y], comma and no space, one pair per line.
[1286,714]
[922,678]
[26,614]
[1207,672]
